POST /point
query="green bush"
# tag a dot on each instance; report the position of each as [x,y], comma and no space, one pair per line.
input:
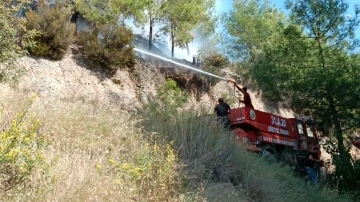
[171,96]
[20,152]
[216,60]
[13,40]
[108,45]
[213,62]
[13,35]
[56,32]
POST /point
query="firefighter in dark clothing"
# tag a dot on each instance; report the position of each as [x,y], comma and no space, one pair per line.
[311,162]
[222,112]
[247,99]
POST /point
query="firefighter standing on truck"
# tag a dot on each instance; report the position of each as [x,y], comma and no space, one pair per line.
[247,99]
[222,112]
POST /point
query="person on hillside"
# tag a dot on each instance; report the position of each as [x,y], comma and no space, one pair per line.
[311,162]
[222,110]
[247,99]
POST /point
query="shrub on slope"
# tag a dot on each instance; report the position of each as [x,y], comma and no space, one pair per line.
[56,32]
[21,149]
[108,45]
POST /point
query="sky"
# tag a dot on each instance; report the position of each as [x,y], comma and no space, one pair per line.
[226,5]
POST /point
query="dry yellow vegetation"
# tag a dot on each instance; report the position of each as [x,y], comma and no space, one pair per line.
[97,153]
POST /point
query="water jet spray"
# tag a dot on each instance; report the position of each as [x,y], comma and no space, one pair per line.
[183,65]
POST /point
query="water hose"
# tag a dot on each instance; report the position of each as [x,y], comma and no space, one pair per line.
[180,64]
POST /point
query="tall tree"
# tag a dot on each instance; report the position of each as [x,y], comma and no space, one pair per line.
[252,26]
[313,68]
[183,16]
[154,12]
[336,100]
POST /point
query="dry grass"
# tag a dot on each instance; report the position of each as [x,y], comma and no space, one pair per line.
[98,154]
[86,141]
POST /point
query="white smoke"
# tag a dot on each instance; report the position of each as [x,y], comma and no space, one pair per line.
[194,46]
[181,53]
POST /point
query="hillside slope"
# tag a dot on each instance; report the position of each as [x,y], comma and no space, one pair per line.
[81,111]
[70,80]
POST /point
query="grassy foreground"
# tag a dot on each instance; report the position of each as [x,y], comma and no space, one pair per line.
[96,153]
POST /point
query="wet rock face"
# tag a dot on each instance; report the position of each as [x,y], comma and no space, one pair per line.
[187,81]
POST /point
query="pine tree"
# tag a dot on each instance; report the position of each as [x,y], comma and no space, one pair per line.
[308,62]
[314,69]
[153,14]
[182,16]
[335,89]
[253,27]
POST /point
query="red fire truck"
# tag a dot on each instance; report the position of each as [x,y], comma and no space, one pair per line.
[269,133]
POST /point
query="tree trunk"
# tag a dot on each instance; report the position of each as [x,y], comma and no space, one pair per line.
[151,33]
[343,162]
[188,49]
[172,40]
[342,159]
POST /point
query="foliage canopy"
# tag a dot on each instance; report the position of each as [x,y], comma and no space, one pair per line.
[309,63]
